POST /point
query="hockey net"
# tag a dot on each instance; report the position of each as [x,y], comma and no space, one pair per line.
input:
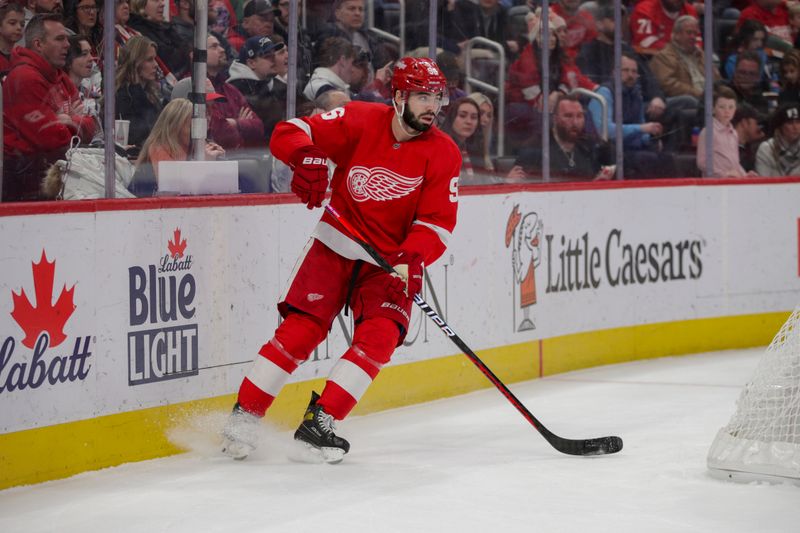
[762,439]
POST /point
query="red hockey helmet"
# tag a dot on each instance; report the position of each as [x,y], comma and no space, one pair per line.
[419,74]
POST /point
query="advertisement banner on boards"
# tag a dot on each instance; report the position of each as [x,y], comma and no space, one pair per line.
[116,311]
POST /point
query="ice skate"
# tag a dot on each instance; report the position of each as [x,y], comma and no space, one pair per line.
[240,433]
[315,439]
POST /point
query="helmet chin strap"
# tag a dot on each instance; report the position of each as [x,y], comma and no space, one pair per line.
[408,130]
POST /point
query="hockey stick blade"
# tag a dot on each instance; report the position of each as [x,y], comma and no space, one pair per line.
[596,446]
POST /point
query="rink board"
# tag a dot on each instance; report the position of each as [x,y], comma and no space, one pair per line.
[153,313]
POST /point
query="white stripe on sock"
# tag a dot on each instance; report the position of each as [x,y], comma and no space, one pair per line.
[267,376]
[351,378]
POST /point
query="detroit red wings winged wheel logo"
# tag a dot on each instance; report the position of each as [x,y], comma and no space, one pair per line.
[46,316]
[379,183]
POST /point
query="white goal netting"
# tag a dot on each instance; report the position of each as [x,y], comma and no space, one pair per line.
[762,439]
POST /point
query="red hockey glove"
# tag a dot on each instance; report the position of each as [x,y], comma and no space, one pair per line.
[408,266]
[310,180]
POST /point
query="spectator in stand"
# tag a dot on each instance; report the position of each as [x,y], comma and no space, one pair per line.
[252,74]
[652,23]
[750,37]
[80,66]
[379,89]
[138,91]
[222,21]
[11,20]
[643,153]
[43,110]
[725,157]
[581,26]
[258,20]
[573,155]
[790,78]
[680,70]
[183,22]
[524,78]
[235,109]
[463,19]
[224,117]
[780,156]
[461,124]
[448,64]
[348,24]
[774,15]
[305,46]
[487,126]
[748,123]
[679,67]
[330,100]
[336,56]
[746,82]
[794,23]
[147,17]
[81,17]
[124,33]
[41,7]
[169,140]
[596,61]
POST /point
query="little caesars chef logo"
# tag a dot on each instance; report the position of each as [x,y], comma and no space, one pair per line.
[162,303]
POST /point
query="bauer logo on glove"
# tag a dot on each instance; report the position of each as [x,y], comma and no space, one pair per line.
[310,180]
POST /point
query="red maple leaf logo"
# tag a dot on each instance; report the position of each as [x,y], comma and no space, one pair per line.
[176,246]
[45,316]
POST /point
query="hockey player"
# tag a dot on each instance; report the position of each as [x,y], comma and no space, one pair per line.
[396,181]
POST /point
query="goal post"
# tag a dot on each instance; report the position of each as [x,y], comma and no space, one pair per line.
[762,440]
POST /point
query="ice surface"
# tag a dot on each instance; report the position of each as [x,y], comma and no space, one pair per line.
[465,464]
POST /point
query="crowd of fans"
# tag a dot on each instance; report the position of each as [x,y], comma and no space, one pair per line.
[50,64]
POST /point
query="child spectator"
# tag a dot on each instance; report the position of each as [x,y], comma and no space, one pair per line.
[79,66]
[790,78]
[11,24]
[725,157]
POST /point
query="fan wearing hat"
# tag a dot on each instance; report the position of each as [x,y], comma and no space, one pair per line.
[252,73]
[258,20]
[223,126]
[780,156]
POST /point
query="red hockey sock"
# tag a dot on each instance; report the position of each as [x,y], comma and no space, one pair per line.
[294,340]
[374,341]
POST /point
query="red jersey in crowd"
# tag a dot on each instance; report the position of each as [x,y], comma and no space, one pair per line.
[524,81]
[400,195]
[35,93]
[651,26]
[581,28]
[776,20]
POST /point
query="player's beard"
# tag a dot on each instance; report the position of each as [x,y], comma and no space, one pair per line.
[414,123]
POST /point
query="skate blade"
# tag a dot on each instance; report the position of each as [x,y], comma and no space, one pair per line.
[236,450]
[303,452]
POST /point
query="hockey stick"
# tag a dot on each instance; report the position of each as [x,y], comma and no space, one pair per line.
[597,446]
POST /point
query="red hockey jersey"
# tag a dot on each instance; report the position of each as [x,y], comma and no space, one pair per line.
[651,26]
[400,195]
[776,19]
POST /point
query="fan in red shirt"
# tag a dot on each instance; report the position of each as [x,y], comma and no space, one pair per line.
[771,13]
[581,26]
[43,110]
[652,21]
[396,182]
